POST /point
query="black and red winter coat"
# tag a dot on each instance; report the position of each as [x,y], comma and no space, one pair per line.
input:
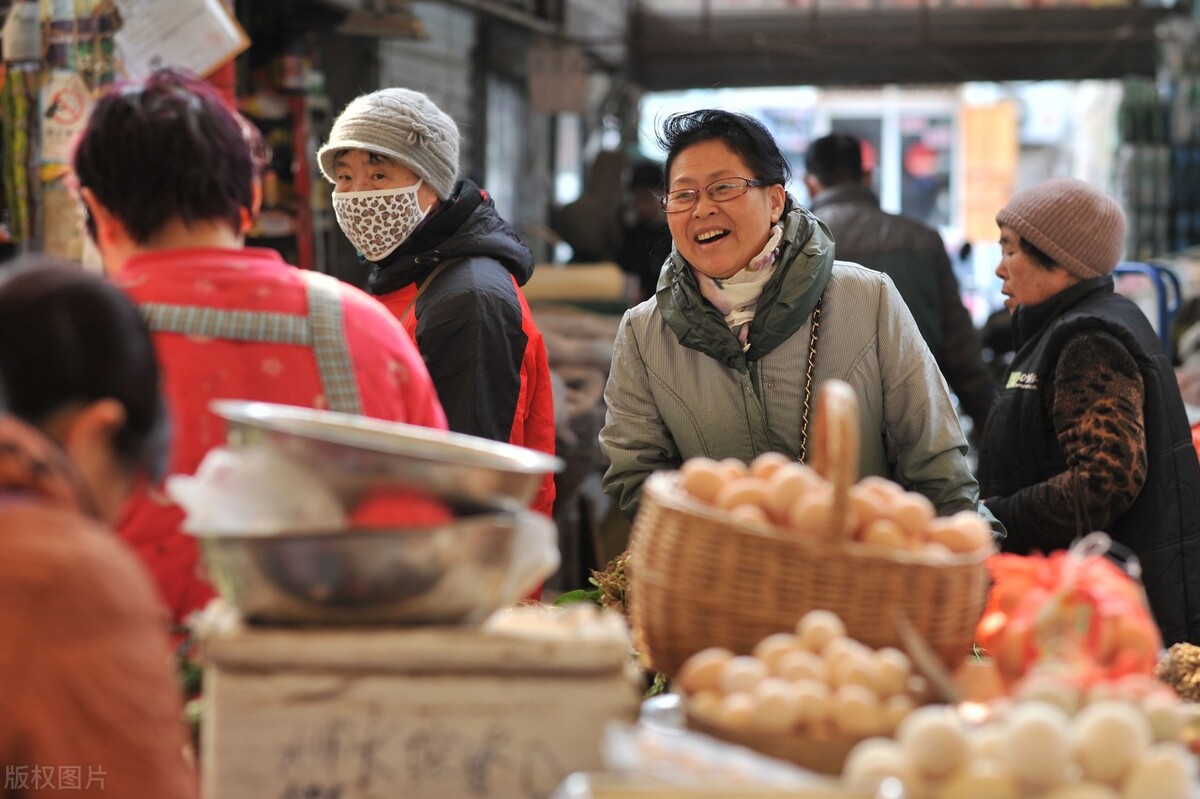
[472,324]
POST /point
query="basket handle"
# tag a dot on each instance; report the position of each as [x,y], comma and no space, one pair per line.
[835,446]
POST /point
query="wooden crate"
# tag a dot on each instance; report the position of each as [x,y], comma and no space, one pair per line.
[384,713]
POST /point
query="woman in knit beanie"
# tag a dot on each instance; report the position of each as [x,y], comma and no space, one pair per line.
[441,258]
[1089,432]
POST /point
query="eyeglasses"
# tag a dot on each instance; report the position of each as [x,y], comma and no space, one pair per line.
[719,191]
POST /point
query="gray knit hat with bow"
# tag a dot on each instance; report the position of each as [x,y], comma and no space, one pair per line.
[403,125]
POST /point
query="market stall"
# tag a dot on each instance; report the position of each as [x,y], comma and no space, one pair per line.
[366,641]
[827,636]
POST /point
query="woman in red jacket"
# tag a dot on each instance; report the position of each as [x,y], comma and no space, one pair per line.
[169,177]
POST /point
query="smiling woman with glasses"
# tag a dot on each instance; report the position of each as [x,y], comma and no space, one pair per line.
[751,314]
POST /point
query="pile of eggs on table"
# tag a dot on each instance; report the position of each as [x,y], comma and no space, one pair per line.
[774,490]
[815,682]
[1051,740]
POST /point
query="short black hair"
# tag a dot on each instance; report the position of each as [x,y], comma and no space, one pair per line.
[835,159]
[744,135]
[168,148]
[1038,256]
[68,337]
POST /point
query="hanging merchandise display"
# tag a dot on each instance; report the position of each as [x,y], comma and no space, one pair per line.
[21,45]
[18,102]
[57,55]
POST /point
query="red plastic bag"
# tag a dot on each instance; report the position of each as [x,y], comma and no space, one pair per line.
[1075,609]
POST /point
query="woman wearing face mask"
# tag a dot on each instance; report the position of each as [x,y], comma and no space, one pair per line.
[752,313]
[446,264]
[89,703]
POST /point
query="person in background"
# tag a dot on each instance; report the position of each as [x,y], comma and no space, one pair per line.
[751,315]
[169,176]
[90,705]
[446,264]
[911,253]
[645,238]
[1089,431]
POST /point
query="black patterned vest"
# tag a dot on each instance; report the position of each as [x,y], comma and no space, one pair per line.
[1163,524]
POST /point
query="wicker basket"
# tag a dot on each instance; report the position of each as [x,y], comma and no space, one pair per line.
[698,579]
[823,755]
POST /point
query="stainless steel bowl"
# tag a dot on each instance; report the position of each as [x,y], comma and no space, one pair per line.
[451,574]
[356,455]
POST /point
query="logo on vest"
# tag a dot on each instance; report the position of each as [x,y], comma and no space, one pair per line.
[1022,380]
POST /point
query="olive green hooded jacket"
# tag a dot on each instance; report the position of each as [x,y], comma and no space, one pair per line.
[681,386]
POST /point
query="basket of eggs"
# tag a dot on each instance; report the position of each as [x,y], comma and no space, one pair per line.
[807,696]
[723,554]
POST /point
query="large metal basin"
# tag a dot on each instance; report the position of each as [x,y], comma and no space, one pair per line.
[449,574]
[356,455]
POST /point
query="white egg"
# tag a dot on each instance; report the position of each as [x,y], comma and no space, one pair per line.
[1037,743]
[812,514]
[703,704]
[874,760]
[938,554]
[743,491]
[818,627]
[918,688]
[980,779]
[703,478]
[913,512]
[895,709]
[988,741]
[742,673]
[867,504]
[735,468]
[767,463]
[702,671]
[1164,771]
[855,710]
[845,648]
[778,706]
[1108,736]
[786,485]
[735,712]
[1164,714]
[855,668]
[748,514]
[892,668]
[800,664]
[933,736]
[884,533]
[1054,689]
[1082,790]
[812,702]
[770,649]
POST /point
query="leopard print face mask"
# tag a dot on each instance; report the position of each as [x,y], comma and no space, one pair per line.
[377,222]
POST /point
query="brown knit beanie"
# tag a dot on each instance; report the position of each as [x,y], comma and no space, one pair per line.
[1080,228]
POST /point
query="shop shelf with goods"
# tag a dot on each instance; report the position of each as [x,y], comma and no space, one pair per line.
[1158,160]
[294,217]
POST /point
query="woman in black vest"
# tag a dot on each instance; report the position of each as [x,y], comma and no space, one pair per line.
[1088,431]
